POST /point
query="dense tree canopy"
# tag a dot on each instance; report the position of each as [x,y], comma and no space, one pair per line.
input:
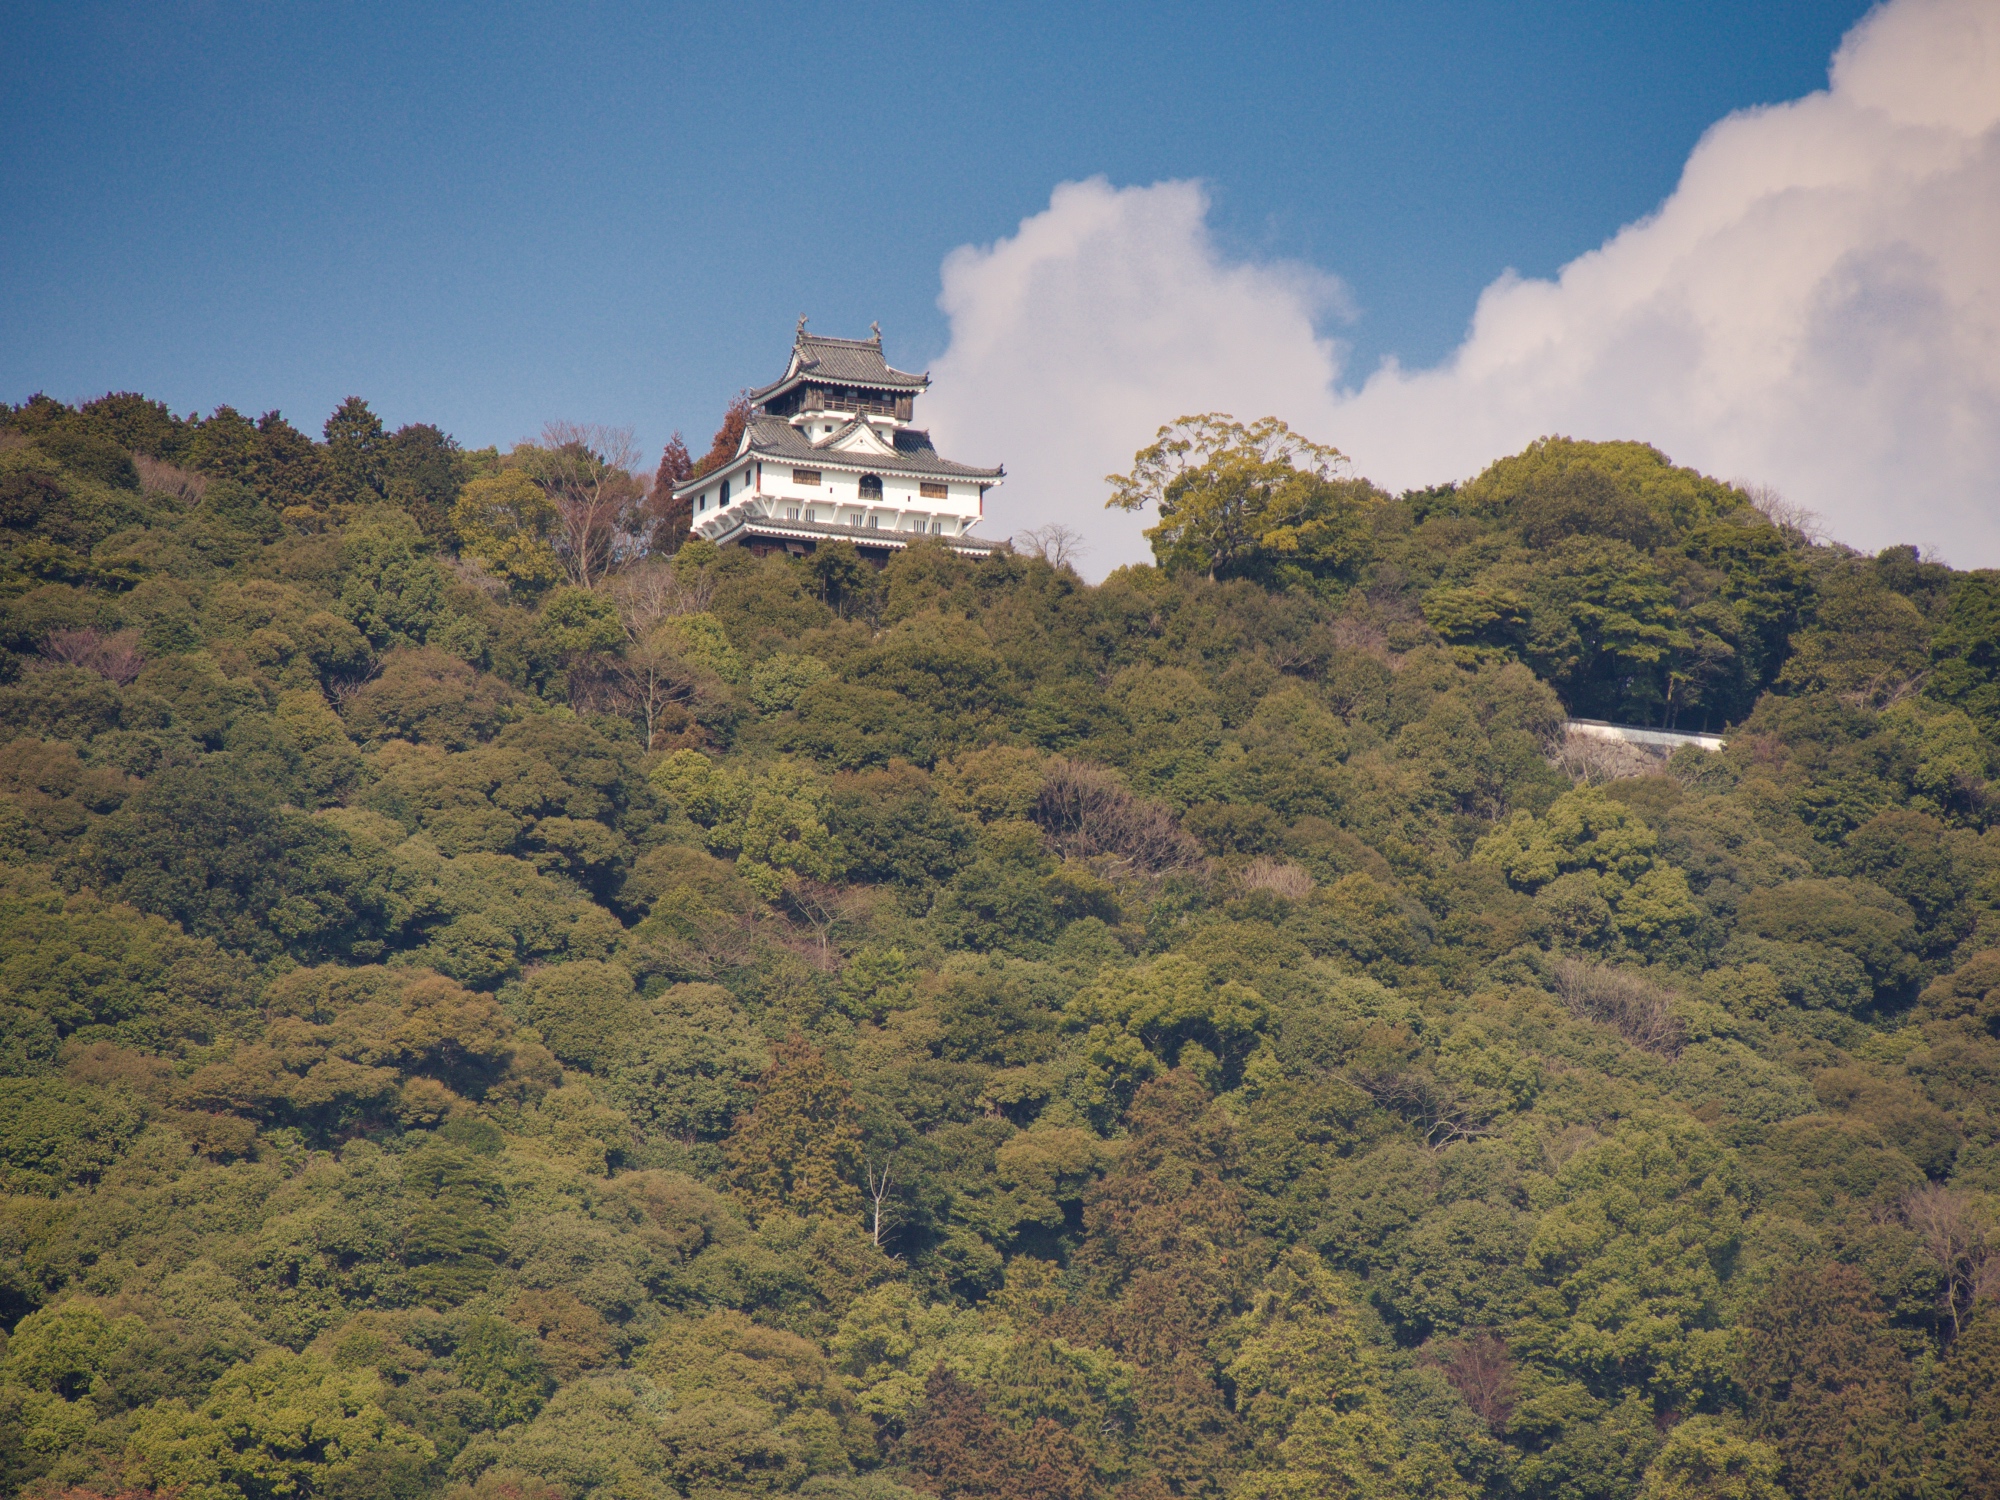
[499,1001]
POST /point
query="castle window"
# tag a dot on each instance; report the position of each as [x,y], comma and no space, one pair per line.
[871,486]
[791,512]
[934,491]
[805,476]
[725,492]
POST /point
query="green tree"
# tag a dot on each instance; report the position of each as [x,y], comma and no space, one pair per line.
[218,857]
[356,452]
[1965,670]
[1141,1023]
[1313,1403]
[1632,1261]
[1709,1458]
[508,521]
[1588,849]
[282,1425]
[795,1150]
[784,833]
[1257,501]
[1557,486]
[1829,1387]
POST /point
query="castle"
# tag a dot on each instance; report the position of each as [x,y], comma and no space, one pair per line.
[828,454]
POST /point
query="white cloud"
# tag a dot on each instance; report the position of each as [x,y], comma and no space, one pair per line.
[1816,307]
[1103,317]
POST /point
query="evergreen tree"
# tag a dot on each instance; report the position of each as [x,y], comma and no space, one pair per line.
[1168,1264]
[794,1151]
[1830,1388]
[669,519]
[357,451]
[1968,1393]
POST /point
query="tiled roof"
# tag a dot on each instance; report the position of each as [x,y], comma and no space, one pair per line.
[843,362]
[862,536]
[774,437]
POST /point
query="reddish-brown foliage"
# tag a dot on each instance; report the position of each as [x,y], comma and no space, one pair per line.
[668,519]
[728,437]
[959,1450]
[113,656]
[1480,1370]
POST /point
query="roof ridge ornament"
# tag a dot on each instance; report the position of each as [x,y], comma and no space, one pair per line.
[876,329]
[802,328]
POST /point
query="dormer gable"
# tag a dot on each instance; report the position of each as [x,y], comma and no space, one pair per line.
[859,437]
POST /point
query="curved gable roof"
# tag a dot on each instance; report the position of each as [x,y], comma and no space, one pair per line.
[775,439]
[856,362]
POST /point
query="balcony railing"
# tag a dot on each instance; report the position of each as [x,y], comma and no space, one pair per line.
[862,408]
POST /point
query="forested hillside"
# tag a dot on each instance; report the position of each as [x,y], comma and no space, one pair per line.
[488,1008]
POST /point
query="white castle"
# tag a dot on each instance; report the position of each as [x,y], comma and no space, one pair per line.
[828,454]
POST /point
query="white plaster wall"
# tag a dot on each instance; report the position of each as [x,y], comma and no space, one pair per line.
[835,500]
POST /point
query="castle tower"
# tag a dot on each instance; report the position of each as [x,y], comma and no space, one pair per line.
[828,454]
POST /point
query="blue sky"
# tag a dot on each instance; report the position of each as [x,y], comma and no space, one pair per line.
[491,215]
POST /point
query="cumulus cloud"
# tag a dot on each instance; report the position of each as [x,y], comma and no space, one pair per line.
[1816,307]
[1103,317]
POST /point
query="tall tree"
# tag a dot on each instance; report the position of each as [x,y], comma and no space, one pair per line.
[1167,1263]
[1237,501]
[425,469]
[728,437]
[795,1151]
[670,519]
[586,468]
[959,1450]
[1968,1388]
[1830,1387]
[133,422]
[286,468]
[356,452]
[1311,1399]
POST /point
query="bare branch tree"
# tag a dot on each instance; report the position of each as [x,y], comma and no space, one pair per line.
[161,477]
[879,1183]
[342,690]
[1795,520]
[1278,876]
[650,680]
[1635,1008]
[1961,1242]
[587,470]
[1480,1369]
[1086,811]
[823,908]
[1055,544]
[1590,761]
[1430,1105]
[114,656]
[655,591]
